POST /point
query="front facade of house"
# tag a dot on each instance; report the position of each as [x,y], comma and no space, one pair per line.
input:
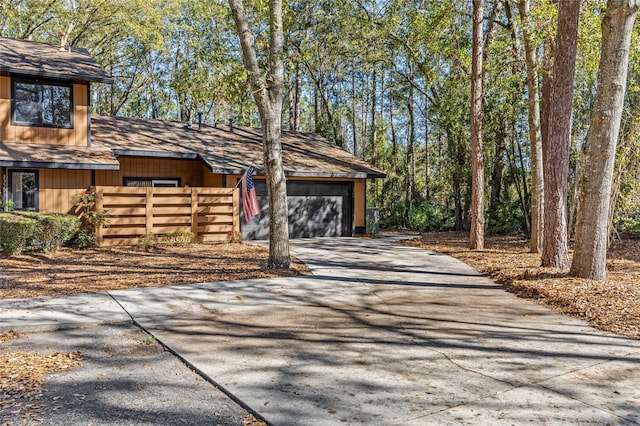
[51,148]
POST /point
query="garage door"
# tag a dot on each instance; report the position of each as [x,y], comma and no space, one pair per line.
[316,209]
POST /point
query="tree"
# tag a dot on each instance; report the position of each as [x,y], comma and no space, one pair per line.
[555,251]
[477,163]
[535,135]
[592,228]
[267,93]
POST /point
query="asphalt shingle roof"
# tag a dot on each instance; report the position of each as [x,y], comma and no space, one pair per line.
[57,156]
[226,151]
[44,60]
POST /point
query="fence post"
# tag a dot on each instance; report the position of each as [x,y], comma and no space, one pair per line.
[236,211]
[194,212]
[149,211]
[99,208]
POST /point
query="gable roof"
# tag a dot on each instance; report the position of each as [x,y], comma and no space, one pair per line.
[45,60]
[18,154]
[225,151]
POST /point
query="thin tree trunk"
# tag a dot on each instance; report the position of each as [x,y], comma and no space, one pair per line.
[523,204]
[600,146]
[267,93]
[354,133]
[427,153]
[297,100]
[495,182]
[477,163]
[555,251]
[535,134]
[394,139]
[411,158]
[374,114]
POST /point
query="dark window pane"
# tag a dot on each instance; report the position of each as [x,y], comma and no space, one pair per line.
[42,104]
[24,190]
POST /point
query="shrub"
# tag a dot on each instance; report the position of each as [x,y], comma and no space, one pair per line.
[179,238]
[15,232]
[29,231]
[54,230]
[90,219]
[84,240]
[148,241]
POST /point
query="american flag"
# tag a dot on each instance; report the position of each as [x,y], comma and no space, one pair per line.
[249,198]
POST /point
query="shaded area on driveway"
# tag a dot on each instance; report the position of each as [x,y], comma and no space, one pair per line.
[125,378]
[388,334]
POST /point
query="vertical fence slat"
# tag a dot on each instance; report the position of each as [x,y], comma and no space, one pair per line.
[194,212]
[99,209]
[236,212]
[149,210]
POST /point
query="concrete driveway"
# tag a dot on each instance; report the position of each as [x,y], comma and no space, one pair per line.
[384,334]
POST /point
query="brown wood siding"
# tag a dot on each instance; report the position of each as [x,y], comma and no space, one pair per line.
[190,172]
[212,180]
[58,186]
[77,136]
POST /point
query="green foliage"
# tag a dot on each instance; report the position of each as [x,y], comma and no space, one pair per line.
[29,232]
[15,233]
[179,238]
[426,217]
[508,220]
[8,205]
[90,219]
[421,216]
[84,240]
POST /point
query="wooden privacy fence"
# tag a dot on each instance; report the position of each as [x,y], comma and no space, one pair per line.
[212,214]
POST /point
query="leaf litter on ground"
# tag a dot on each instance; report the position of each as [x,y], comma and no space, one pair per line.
[612,305]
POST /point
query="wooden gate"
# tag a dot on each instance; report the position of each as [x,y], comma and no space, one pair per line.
[212,214]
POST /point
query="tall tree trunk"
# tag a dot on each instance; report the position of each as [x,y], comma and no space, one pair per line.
[394,139]
[477,163]
[297,100]
[555,251]
[374,114]
[427,152]
[267,93]
[600,146]
[293,97]
[535,134]
[495,181]
[411,157]
[354,133]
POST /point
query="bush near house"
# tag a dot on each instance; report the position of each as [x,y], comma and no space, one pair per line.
[30,232]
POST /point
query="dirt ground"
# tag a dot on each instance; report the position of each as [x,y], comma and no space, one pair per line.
[70,271]
[613,305]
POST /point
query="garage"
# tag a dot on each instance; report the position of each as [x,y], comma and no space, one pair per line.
[316,209]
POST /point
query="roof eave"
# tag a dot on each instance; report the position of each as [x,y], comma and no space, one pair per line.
[58,76]
[157,154]
[68,166]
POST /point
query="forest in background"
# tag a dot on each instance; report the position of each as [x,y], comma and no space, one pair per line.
[387,80]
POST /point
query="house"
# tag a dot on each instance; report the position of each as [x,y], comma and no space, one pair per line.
[52,147]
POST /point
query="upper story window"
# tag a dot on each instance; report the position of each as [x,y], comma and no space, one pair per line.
[42,103]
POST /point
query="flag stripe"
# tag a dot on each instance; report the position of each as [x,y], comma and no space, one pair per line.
[250,204]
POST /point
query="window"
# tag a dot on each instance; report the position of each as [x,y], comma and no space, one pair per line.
[43,104]
[23,189]
[146,182]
